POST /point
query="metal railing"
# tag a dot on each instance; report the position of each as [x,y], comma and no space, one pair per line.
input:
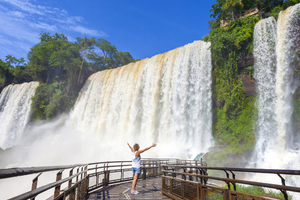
[83,178]
[192,182]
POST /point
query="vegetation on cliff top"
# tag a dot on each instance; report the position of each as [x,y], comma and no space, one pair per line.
[233,9]
[61,67]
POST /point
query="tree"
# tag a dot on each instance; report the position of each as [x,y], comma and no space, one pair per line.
[108,52]
[42,57]
[86,46]
[229,5]
[122,58]
[4,73]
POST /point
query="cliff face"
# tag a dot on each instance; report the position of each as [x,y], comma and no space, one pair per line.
[249,85]
[246,61]
[248,81]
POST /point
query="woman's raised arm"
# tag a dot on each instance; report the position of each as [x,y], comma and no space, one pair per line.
[130,147]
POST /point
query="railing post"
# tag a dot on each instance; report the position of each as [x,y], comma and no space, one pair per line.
[57,188]
[283,191]
[106,176]
[77,175]
[144,173]
[183,176]
[122,175]
[97,177]
[107,183]
[182,189]
[85,173]
[81,175]
[78,187]
[86,185]
[73,191]
[70,181]
[34,184]
[233,177]
[225,195]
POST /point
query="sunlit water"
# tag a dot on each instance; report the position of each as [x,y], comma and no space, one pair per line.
[165,99]
[277,144]
[15,107]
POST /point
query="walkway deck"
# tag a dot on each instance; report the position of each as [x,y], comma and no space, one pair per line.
[149,189]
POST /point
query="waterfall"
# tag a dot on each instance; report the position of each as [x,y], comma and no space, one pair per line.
[287,60]
[15,105]
[275,48]
[166,99]
[265,36]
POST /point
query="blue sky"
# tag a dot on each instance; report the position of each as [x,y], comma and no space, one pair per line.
[142,27]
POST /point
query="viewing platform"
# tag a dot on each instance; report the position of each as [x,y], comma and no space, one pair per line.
[148,189]
[159,179]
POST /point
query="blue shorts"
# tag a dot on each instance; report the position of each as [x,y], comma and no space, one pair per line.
[136,170]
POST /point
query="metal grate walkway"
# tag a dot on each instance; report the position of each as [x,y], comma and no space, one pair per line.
[148,189]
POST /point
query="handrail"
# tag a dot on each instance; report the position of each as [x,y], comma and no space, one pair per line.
[12,172]
[82,182]
[254,170]
[200,172]
[44,188]
[274,186]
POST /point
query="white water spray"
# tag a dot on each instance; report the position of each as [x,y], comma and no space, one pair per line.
[15,106]
[276,49]
[287,60]
[165,99]
[265,36]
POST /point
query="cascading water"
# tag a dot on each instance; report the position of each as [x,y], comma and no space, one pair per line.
[15,104]
[276,59]
[287,60]
[265,35]
[166,99]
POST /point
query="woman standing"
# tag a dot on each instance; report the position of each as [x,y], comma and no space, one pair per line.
[136,163]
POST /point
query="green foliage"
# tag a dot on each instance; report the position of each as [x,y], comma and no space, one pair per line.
[224,9]
[230,6]
[50,100]
[255,190]
[236,132]
[276,10]
[6,75]
[235,117]
[61,67]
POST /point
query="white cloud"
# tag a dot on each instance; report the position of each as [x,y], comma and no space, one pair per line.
[26,6]
[86,31]
[21,21]
[69,20]
[18,29]
[43,26]
[16,14]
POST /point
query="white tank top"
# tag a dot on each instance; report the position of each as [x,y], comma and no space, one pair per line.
[136,162]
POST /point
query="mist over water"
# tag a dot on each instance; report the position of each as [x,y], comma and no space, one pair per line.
[165,100]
